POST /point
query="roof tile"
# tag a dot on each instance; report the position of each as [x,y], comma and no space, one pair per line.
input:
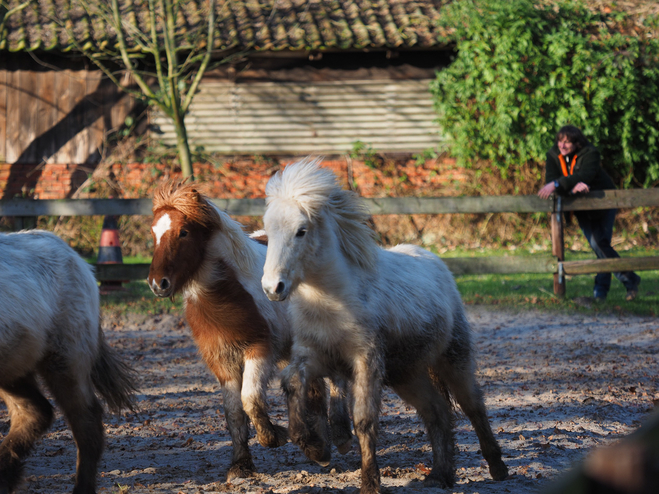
[245,24]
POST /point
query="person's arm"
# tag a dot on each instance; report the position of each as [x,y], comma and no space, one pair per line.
[552,176]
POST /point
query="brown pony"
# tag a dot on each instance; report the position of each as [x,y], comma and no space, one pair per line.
[201,252]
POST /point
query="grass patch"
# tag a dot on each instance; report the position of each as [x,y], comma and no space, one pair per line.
[518,292]
[137,298]
[529,291]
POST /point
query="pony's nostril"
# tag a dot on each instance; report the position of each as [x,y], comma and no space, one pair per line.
[280,288]
[164,284]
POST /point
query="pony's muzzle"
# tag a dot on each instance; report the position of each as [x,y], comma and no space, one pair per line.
[279,293]
[162,289]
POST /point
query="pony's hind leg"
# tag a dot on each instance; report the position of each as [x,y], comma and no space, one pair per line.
[457,375]
[84,413]
[316,417]
[469,396]
[31,414]
[314,443]
[339,416]
[238,425]
[437,416]
[255,381]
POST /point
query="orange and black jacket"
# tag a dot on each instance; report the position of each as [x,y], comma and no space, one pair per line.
[584,166]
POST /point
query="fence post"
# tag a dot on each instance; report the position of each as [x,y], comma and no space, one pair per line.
[24,223]
[557,247]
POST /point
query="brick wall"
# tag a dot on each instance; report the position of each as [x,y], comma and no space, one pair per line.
[233,177]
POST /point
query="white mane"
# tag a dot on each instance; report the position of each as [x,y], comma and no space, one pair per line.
[314,189]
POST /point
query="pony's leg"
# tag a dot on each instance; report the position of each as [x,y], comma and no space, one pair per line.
[84,413]
[455,371]
[316,417]
[255,384]
[468,395]
[298,389]
[238,425]
[339,416]
[367,388]
[31,414]
[435,411]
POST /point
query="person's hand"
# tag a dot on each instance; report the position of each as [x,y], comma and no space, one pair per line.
[580,187]
[547,191]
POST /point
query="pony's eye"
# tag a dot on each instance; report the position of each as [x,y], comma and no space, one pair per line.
[183,233]
[301,232]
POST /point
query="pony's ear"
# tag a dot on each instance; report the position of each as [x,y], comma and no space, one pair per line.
[195,195]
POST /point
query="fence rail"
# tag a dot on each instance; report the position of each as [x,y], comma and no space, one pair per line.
[380,205]
[398,205]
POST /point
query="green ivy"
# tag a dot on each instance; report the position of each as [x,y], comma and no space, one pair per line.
[523,70]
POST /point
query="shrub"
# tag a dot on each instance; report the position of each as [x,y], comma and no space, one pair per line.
[522,70]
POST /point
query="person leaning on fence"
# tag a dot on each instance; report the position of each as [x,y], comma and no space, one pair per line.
[573,166]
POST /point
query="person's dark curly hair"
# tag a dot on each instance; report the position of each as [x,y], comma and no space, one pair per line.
[574,135]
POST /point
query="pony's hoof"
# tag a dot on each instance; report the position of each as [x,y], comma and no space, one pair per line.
[278,437]
[241,469]
[346,447]
[439,481]
[322,455]
[499,471]
[370,486]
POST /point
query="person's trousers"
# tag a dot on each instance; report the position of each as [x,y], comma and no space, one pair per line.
[597,227]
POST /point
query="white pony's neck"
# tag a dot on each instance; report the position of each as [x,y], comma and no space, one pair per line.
[231,244]
[330,270]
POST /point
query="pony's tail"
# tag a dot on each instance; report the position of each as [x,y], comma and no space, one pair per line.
[113,378]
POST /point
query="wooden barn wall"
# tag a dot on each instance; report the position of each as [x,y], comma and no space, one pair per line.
[55,114]
[309,117]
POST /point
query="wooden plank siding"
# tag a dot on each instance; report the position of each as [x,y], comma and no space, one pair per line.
[57,116]
[309,117]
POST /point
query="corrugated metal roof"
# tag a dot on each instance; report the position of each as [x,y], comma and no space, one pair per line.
[318,117]
[254,25]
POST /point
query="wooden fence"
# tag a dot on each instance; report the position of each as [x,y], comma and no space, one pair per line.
[554,264]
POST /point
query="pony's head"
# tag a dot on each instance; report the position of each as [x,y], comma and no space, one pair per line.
[304,206]
[183,223]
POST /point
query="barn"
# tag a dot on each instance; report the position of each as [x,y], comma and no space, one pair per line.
[321,76]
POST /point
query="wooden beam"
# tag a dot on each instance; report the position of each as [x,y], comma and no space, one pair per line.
[611,265]
[382,205]
[610,199]
[120,272]
[75,207]
[451,205]
[241,207]
[500,265]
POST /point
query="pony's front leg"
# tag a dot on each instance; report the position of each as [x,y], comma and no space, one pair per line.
[368,373]
[306,395]
[255,384]
[238,425]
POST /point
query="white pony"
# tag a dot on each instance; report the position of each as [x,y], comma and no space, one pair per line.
[377,317]
[49,326]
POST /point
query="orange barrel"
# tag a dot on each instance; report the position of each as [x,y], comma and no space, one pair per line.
[109,251]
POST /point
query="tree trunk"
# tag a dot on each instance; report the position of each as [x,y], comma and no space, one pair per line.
[183,147]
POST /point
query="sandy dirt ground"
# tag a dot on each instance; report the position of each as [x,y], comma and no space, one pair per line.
[555,385]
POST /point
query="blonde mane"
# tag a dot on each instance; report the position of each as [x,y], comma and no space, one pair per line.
[197,208]
[314,188]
